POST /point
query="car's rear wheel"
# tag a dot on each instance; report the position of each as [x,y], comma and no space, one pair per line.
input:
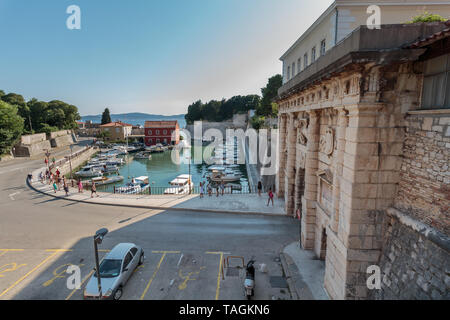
[118,293]
[141,259]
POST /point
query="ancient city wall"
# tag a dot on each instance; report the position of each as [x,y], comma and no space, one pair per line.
[424,188]
[415,261]
[34,144]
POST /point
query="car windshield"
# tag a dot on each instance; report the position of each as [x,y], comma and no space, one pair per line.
[110,268]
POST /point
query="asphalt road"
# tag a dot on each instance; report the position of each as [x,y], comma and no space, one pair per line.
[185,251]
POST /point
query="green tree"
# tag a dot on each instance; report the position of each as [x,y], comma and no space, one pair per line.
[269,93]
[11,126]
[23,110]
[427,17]
[106,116]
[194,112]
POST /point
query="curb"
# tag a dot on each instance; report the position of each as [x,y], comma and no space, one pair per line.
[30,185]
[292,288]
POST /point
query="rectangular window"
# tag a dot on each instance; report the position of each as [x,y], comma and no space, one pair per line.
[436,83]
[313,55]
[293,69]
[289,73]
[322,47]
[299,65]
[305,61]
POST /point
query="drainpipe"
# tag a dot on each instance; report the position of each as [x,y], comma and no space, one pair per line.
[336,27]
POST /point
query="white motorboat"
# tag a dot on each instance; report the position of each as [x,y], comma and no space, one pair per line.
[137,185]
[89,171]
[143,156]
[180,185]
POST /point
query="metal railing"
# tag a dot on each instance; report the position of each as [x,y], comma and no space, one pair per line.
[160,190]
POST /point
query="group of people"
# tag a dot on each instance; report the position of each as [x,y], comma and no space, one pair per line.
[208,188]
[269,193]
[55,179]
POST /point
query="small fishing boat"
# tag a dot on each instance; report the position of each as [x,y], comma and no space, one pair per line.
[143,156]
[89,171]
[100,181]
[218,176]
[137,185]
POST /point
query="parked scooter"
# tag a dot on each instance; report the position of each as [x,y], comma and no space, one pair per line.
[249,282]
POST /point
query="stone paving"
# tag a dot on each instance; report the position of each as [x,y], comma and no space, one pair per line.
[233,203]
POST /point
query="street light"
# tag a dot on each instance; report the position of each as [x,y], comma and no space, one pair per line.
[70,163]
[189,180]
[98,238]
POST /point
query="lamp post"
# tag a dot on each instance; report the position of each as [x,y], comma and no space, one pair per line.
[70,163]
[98,238]
[189,180]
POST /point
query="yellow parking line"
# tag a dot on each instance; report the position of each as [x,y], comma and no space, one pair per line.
[153,276]
[4,251]
[55,252]
[82,282]
[220,271]
[166,252]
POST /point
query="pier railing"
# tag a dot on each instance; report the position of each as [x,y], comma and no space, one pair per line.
[160,190]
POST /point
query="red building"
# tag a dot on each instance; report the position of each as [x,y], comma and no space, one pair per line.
[164,132]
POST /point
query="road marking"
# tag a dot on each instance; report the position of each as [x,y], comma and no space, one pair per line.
[59,274]
[179,261]
[14,194]
[55,252]
[82,282]
[187,278]
[153,276]
[166,252]
[219,273]
[4,251]
[14,267]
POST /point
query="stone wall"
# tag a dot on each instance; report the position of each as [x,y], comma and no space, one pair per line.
[61,141]
[29,150]
[33,138]
[413,265]
[424,187]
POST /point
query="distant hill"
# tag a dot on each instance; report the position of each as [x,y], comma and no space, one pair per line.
[137,118]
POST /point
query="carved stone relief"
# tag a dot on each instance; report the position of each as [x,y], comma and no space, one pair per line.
[326,143]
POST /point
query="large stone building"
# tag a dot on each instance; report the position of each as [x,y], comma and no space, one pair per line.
[344,16]
[117,130]
[364,153]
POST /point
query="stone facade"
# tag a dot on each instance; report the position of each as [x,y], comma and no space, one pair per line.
[351,146]
[412,265]
[424,187]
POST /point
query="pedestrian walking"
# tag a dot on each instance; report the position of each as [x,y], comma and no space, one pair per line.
[270,193]
[66,187]
[80,186]
[222,187]
[55,187]
[93,189]
[209,190]
[217,190]
[202,191]
[259,188]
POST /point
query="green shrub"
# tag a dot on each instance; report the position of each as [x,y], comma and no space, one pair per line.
[427,17]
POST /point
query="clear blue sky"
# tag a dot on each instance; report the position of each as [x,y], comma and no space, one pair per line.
[146,55]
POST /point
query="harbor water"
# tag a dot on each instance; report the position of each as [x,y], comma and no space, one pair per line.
[160,170]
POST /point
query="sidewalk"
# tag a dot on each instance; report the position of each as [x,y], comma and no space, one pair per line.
[229,203]
[305,273]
